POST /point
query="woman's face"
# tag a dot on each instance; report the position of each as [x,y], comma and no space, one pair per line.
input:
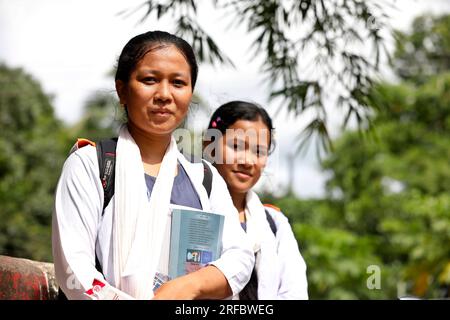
[243,151]
[158,92]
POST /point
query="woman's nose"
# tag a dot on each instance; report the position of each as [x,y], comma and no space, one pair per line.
[251,158]
[247,158]
[163,92]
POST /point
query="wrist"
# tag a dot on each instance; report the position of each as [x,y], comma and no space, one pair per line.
[194,284]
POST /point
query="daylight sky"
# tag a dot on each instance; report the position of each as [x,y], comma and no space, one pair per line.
[70,46]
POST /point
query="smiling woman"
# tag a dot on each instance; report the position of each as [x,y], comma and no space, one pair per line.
[240,156]
[124,241]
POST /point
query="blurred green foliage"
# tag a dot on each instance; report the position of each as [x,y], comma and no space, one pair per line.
[425,51]
[101,118]
[33,147]
[32,143]
[388,201]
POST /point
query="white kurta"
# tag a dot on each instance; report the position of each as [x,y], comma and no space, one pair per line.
[79,230]
[280,267]
[292,267]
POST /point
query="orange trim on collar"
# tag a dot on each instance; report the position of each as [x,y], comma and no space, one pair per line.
[81,142]
[271,206]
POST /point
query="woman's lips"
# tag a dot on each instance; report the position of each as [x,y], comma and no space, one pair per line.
[242,175]
[161,113]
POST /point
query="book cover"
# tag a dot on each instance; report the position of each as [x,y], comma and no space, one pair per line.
[195,240]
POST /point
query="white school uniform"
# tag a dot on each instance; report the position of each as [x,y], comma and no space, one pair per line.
[281,269]
[79,230]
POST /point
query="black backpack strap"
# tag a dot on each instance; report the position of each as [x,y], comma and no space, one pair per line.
[207,173]
[106,154]
[272,224]
[250,291]
[207,178]
[98,266]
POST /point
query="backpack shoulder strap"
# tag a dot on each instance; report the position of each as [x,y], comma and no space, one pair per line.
[207,173]
[207,178]
[272,224]
[106,154]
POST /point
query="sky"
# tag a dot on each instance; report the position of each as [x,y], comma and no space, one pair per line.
[71,46]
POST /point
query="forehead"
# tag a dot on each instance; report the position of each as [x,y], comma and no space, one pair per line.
[164,57]
[244,129]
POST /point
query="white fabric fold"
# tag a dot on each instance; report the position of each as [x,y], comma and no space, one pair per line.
[139,224]
[264,246]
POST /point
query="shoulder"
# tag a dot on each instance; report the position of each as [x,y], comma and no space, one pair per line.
[276,214]
[86,154]
[80,143]
[82,160]
[79,177]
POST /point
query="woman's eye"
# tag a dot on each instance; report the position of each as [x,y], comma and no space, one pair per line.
[150,80]
[179,83]
[238,146]
[261,152]
[235,146]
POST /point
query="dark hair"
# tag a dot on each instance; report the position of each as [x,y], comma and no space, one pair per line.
[227,114]
[141,44]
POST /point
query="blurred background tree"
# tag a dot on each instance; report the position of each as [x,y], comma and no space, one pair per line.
[101,119]
[423,52]
[32,147]
[387,198]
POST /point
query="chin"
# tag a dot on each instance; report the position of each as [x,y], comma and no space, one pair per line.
[162,130]
[241,188]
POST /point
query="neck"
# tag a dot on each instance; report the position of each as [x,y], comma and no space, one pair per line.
[239,200]
[152,148]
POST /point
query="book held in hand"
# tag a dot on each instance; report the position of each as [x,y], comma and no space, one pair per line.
[195,240]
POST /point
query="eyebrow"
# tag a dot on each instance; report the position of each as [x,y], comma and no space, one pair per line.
[157,72]
[236,139]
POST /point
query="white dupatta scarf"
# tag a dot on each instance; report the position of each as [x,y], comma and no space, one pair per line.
[139,224]
[264,246]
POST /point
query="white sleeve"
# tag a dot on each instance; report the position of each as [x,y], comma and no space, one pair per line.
[237,259]
[76,216]
[293,281]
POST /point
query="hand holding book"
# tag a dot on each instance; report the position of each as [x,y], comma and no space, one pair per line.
[195,241]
